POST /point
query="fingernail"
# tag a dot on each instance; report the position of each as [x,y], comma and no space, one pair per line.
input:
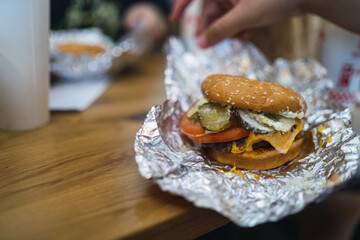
[201,40]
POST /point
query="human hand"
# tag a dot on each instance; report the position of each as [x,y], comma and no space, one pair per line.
[148,18]
[228,18]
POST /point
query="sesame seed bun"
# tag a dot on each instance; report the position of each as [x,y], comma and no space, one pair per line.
[245,93]
[260,159]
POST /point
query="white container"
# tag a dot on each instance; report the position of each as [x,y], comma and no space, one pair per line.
[24,64]
[190,19]
[355,117]
[341,57]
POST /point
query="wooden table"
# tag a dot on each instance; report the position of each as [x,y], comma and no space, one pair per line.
[76,177]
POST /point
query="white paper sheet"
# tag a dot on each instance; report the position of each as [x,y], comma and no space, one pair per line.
[76,95]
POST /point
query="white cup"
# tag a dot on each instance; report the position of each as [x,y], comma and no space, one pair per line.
[341,57]
[24,64]
[190,19]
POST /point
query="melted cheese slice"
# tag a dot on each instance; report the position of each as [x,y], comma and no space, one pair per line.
[279,140]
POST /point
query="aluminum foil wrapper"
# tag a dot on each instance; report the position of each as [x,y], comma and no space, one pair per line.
[246,197]
[115,58]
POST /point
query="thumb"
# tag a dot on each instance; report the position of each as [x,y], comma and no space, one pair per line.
[233,22]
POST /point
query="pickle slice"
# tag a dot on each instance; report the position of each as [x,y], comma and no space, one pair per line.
[192,112]
[214,117]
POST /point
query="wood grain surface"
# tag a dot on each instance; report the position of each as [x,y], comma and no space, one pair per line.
[76,177]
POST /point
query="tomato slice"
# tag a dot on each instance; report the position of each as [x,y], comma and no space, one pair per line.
[196,133]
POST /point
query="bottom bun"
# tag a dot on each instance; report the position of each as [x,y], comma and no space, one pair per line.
[259,159]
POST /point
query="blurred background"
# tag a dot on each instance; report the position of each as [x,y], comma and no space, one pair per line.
[306,35]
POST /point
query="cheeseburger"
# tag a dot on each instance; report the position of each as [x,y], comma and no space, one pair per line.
[246,123]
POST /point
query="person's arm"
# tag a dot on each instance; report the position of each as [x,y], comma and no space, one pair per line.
[345,13]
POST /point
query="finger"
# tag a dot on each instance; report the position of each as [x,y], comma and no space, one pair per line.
[236,20]
[234,2]
[225,4]
[211,11]
[178,9]
[244,36]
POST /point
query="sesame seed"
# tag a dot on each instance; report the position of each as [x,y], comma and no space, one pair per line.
[271,100]
[265,93]
[218,95]
[253,97]
[292,98]
[233,103]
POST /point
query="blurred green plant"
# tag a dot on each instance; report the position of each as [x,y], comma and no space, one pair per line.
[103,14]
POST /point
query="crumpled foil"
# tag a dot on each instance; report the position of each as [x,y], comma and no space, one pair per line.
[116,57]
[246,197]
